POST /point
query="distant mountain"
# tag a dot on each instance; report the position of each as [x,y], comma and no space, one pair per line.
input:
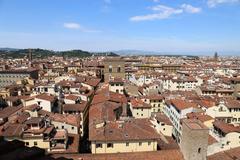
[8,49]
[148,53]
[43,53]
[177,54]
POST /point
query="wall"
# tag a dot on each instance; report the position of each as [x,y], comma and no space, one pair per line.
[119,147]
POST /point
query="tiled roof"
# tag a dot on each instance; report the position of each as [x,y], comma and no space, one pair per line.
[182,104]
[75,107]
[226,128]
[171,154]
[46,97]
[134,129]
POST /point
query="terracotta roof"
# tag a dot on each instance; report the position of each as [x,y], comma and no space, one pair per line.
[171,154]
[200,116]
[13,130]
[46,97]
[206,103]
[138,103]
[32,107]
[155,97]
[21,118]
[231,154]
[182,104]
[225,127]
[75,107]
[194,124]
[64,118]
[60,134]
[134,129]
[72,97]
[211,140]
[161,117]
[109,96]
[93,82]
[8,111]
[34,120]
[103,112]
[232,103]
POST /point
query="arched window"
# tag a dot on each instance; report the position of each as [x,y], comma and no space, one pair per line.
[119,69]
[110,69]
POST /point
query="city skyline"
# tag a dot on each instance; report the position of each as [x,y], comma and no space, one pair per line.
[181,26]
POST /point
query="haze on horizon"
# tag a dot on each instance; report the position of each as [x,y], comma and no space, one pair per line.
[181,26]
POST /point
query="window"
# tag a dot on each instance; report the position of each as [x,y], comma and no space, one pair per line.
[140,143]
[72,128]
[199,150]
[98,145]
[119,69]
[149,143]
[35,143]
[110,145]
[62,127]
[27,143]
[127,144]
[110,69]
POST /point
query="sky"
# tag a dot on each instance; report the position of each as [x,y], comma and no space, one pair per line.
[173,26]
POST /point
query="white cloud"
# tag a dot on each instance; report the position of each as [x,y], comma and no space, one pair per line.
[190,9]
[79,27]
[164,12]
[71,25]
[214,3]
[156,1]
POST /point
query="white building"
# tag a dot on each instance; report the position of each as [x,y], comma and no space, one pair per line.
[176,110]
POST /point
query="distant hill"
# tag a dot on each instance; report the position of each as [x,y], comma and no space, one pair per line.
[152,53]
[43,53]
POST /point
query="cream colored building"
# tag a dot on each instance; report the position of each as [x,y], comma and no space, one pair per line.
[140,109]
[118,137]
[162,124]
[123,146]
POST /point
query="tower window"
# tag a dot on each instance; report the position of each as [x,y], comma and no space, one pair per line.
[110,69]
[199,150]
[119,69]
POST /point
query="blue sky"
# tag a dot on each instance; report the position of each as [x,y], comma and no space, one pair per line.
[176,26]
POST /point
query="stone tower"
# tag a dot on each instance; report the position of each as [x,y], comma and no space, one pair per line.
[194,140]
[114,68]
[30,57]
[215,56]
